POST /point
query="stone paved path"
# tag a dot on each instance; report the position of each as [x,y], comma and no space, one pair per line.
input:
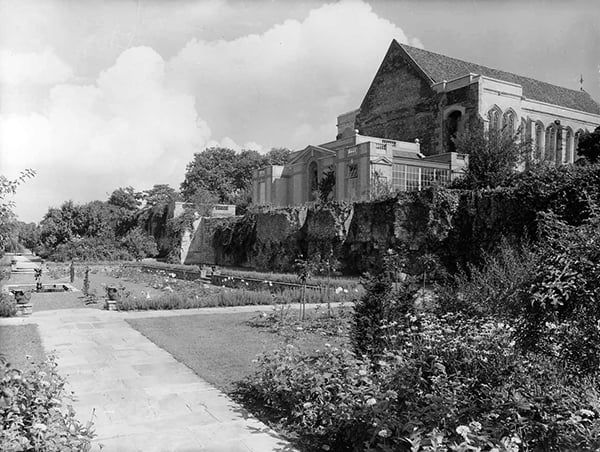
[141,398]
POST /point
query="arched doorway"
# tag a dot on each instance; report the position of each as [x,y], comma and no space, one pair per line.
[453,123]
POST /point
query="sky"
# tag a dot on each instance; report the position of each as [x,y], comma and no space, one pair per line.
[96,95]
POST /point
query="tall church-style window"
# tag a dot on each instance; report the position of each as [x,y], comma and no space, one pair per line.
[577,137]
[539,141]
[508,121]
[568,145]
[494,116]
[551,147]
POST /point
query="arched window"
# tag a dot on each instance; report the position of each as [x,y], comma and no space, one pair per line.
[551,147]
[494,116]
[508,120]
[539,141]
[523,132]
[577,137]
[568,145]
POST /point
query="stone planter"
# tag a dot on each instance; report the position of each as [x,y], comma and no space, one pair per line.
[113,293]
[110,305]
[24,309]
[20,296]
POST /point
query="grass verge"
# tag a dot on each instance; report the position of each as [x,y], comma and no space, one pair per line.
[18,342]
[220,347]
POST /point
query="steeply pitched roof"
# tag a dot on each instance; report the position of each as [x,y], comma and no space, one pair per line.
[441,67]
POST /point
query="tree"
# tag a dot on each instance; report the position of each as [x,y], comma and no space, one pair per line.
[160,194]
[139,244]
[278,156]
[589,145]
[126,198]
[204,201]
[210,170]
[326,185]
[7,217]
[493,155]
[223,172]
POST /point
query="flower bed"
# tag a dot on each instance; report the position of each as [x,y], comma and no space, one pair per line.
[227,297]
[346,283]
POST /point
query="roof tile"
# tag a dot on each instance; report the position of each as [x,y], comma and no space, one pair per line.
[441,67]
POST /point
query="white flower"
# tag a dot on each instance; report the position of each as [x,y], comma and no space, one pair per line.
[371,401]
[338,290]
[475,426]
[383,433]
[587,413]
[307,405]
[463,430]
[362,372]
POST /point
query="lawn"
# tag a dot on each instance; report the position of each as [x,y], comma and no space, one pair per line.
[221,347]
[17,342]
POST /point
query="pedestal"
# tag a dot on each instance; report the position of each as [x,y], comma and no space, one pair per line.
[24,309]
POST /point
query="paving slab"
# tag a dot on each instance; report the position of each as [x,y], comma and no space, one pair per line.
[139,396]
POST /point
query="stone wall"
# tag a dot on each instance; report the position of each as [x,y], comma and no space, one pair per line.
[358,235]
[401,105]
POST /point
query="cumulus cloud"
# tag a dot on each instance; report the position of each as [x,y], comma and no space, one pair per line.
[128,128]
[231,144]
[36,68]
[294,77]
[139,121]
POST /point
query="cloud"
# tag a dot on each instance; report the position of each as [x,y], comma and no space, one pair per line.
[231,144]
[263,86]
[36,68]
[128,128]
[139,120]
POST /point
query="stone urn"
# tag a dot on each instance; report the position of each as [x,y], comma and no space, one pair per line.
[22,299]
[20,296]
[112,293]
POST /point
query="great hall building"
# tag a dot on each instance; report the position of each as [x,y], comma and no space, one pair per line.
[401,136]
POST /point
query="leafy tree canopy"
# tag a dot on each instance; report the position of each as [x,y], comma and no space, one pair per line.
[589,146]
[228,174]
[7,217]
[160,194]
[493,156]
[125,197]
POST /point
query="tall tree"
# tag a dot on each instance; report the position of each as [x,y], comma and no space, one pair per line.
[589,146]
[161,194]
[125,197]
[278,156]
[7,217]
[493,155]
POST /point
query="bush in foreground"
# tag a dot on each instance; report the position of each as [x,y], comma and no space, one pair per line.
[8,307]
[33,415]
[446,383]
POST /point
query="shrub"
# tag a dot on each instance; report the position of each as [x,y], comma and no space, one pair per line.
[139,244]
[384,300]
[447,380]
[559,313]
[490,289]
[33,415]
[8,306]
[88,249]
